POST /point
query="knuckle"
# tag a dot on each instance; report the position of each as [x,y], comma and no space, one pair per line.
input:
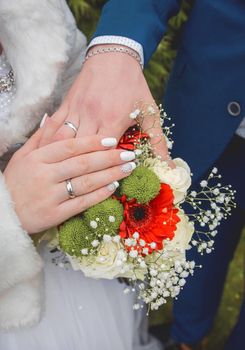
[70,147]
[112,119]
[96,140]
[118,173]
[114,157]
[59,136]
[111,157]
[53,124]
[113,174]
[86,184]
[83,165]
[112,116]
[92,106]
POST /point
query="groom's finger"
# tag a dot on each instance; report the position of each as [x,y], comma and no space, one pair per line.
[151,125]
[68,129]
[88,125]
[52,125]
[115,130]
[74,126]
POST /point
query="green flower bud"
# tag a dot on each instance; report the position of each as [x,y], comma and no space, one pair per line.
[74,235]
[105,217]
[143,185]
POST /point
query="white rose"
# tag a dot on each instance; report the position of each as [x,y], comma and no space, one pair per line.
[179,178]
[182,235]
[108,263]
[175,250]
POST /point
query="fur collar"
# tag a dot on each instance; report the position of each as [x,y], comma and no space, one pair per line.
[44,48]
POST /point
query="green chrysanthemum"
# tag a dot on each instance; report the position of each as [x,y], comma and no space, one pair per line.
[105,217]
[143,185]
[74,236]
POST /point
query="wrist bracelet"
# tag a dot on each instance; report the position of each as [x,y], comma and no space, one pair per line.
[119,49]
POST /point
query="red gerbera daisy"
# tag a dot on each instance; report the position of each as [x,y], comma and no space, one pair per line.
[153,222]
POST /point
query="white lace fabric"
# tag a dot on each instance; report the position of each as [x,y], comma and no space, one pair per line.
[7,97]
[6,100]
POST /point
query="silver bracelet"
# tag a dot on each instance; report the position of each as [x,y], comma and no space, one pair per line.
[120,49]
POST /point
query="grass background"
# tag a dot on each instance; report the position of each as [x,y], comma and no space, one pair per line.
[87,13]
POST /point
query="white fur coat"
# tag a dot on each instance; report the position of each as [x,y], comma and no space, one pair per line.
[45,49]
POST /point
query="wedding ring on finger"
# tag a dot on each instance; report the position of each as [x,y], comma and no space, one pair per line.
[72,126]
[69,188]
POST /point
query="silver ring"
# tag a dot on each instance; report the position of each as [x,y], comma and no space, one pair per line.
[69,188]
[72,126]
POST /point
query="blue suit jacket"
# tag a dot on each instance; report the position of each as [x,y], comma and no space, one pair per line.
[208,74]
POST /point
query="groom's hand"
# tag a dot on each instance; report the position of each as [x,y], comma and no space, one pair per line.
[101,99]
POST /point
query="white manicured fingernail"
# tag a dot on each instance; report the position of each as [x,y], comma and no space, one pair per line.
[128,167]
[127,156]
[113,186]
[109,142]
[43,120]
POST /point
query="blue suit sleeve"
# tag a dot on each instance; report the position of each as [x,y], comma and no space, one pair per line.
[144,21]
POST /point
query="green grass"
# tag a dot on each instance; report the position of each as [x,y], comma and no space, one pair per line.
[230,303]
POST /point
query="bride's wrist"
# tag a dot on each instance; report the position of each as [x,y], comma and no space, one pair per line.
[113,49]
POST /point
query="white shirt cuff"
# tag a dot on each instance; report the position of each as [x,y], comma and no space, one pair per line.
[119,40]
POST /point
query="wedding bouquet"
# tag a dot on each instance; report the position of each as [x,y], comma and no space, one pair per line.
[143,231]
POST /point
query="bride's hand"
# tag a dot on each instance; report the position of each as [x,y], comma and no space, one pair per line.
[36,178]
[101,99]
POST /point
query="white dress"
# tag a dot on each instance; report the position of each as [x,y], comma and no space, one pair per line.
[80,313]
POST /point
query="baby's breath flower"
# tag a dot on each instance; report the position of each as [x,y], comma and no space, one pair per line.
[116,239]
[106,238]
[153,245]
[128,242]
[84,251]
[136,235]
[133,253]
[93,224]
[112,218]
[95,243]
